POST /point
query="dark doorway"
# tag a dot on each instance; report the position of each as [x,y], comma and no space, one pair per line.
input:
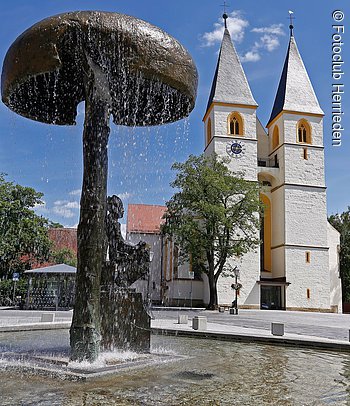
[271,298]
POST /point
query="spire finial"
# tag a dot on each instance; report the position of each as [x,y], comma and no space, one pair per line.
[225,16]
[291,26]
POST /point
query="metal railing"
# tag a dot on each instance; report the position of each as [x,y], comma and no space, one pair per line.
[268,163]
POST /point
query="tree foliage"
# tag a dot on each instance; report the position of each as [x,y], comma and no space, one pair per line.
[341,222]
[10,290]
[213,215]
[64,256]
[23,234]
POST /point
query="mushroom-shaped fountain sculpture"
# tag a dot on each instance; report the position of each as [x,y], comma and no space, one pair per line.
[120,66]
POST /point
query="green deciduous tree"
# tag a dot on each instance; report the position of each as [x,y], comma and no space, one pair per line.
[213,216]
[64,256]
[341,222]
[23,234]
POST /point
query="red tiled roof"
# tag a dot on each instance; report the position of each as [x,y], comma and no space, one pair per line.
[64,238]
[144,218]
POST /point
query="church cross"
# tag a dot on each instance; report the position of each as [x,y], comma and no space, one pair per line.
[291,26]
[225,16]
[224,6]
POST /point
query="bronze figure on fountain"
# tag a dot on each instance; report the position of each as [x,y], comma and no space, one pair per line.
[125,323]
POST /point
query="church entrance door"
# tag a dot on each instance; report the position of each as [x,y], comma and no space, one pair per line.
[272,297]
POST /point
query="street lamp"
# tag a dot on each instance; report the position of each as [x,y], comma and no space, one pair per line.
[149,295]
[236,286]
[151,254]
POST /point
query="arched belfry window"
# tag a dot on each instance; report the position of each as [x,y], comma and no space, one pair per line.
[235,124]
[209,135]
[275,137]
[304,132]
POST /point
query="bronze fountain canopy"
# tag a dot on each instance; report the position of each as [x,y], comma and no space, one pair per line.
[43,72]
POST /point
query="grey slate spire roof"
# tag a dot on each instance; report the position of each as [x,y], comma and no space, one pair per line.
[295,91]
[230,84]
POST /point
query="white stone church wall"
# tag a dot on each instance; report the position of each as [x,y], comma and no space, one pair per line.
[280,123]
[278,261]
[249,296]
[221,113]
[277,206]
[290,128]
[306,216]
[303,276]
[152,284]
[335,281]
[246,163]
[304,171]
[263,141]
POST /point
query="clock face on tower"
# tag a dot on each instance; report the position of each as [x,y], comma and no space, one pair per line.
[235,149]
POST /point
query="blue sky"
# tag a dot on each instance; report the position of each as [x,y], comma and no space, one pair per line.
[49,158]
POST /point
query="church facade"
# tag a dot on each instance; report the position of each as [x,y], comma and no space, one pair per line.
[297,265]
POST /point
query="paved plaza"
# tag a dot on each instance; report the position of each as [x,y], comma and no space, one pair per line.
[322,330]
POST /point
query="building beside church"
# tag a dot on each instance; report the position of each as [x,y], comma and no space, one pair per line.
[297,266]
[143,224]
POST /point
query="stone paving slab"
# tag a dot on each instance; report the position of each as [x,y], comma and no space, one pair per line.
[221,332]
[35,326]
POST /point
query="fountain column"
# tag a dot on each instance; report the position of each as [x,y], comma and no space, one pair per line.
[85,335]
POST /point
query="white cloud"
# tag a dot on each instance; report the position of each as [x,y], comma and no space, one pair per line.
[251,56]
[125,195]
[38,205]
[60,202]
[275,29]
[236,25]
[63,212]
[65,208]
[73,205]
[81,109]
[75,192]
[269,42]
[41,208]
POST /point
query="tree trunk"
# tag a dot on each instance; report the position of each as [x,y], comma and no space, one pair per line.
[213,296]
[85,330]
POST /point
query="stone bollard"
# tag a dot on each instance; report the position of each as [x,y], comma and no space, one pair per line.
[199,323]
[182,319]
[47,317]
[277,329]
[221,309]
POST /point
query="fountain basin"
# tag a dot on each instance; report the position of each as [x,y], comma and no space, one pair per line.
[205,372]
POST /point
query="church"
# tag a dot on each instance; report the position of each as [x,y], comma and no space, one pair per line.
[297,265]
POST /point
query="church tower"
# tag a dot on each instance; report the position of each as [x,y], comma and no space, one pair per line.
[230,130]
[293,268]
[230,119]
[296,192]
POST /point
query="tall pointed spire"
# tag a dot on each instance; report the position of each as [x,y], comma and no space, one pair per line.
[230,84]
[295,92]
